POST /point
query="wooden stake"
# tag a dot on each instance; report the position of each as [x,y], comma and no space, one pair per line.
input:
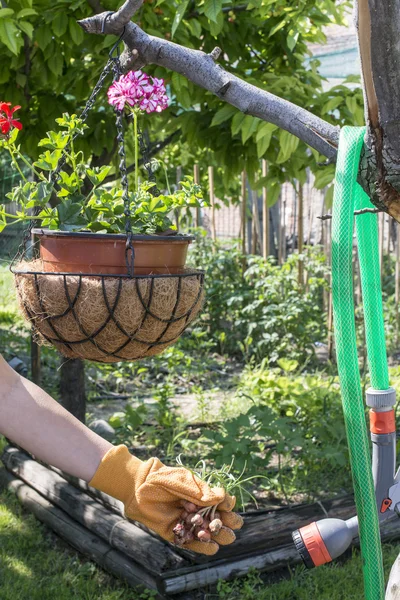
[283,226]
[244,214]
[311,222]
[212,202]
[35,348]
[280,230]
[196,179]
[300,224]
[265,214]
[397,282]
[330,308]
[257,224]
[72,386]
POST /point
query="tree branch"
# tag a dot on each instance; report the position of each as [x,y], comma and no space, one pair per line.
[200,68]
[379,172]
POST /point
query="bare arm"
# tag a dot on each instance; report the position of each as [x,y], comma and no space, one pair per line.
[37,423]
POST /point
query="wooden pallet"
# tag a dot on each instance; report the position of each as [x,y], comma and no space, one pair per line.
[94,524]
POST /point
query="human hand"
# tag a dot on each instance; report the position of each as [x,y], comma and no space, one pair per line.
[159,497]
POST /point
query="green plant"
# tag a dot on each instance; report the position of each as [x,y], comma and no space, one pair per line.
[80,201]
[225,476]
[263,312]
[291,429]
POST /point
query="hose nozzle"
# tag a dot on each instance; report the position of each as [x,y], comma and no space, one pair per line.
[322,541]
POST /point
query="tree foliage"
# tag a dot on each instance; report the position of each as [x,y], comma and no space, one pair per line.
[49,66]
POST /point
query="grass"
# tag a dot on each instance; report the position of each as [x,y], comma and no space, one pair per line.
[36,565]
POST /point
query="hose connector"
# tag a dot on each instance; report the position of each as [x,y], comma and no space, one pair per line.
[380,399]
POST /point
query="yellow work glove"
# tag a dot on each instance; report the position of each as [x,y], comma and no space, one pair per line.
[153,494]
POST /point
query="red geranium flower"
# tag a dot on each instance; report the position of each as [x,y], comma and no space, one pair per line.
[6,117]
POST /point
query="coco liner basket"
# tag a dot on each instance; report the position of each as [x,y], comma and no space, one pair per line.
[124,312]
[108,318]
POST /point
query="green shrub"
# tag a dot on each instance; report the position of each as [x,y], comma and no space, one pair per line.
[263,312]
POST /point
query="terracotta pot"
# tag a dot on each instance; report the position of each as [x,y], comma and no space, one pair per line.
[99,253]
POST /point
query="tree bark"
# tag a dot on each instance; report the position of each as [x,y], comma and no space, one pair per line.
[72,387]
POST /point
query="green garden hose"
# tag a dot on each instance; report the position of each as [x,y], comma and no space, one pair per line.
[349,196]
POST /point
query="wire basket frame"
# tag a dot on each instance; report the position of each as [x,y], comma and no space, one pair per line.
[108,318]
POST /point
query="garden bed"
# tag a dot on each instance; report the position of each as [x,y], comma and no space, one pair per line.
[93,523]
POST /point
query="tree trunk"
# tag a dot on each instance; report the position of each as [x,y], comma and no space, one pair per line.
[72,387]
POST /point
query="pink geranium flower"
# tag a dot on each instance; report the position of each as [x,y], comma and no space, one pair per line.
[139,90]
[122,92]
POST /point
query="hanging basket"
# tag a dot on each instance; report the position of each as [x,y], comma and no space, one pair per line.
[108,318]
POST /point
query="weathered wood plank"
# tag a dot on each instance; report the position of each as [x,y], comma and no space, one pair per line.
[154,554]
[77,536]
[201,575]
[210,574]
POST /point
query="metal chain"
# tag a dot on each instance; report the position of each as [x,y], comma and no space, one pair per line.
[121,152]
[129,250]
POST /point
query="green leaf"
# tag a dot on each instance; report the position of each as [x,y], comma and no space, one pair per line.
[48,160]
[9,35]
[26,28]
[180,11]
[217,27]
[59,24]
[223,114]
[179,82]
[20,79]
[262,146]
[237,122]
[332,104]
[291,40]
[324,176]
[26,12]
[249,126]
[277,27]
[273,191]
[76,32]
[56,63]
[212,8]
[265,130]
[351,103]
[97,176]
[43,36]
[288,144]
[195,27]
[6,12]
